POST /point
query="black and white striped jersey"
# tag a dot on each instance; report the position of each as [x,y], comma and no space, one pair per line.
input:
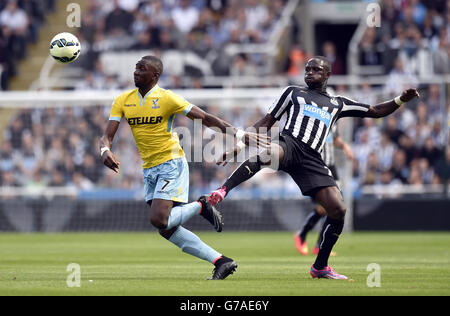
[311,114]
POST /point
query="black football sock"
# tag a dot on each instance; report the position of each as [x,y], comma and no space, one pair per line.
[244,172]
[310,222]
[319,240]
[333,228]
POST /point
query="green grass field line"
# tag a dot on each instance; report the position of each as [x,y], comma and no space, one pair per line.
[412,263]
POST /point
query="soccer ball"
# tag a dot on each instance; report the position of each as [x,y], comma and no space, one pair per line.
[65,48]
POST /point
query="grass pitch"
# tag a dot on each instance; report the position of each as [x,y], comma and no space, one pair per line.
[412,263]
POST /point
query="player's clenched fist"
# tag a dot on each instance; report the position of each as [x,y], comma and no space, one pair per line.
[409,94]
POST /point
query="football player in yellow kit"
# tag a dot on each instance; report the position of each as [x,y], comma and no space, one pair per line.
[150,111]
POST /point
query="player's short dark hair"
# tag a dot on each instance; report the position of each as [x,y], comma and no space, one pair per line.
[155,62]
[327,63]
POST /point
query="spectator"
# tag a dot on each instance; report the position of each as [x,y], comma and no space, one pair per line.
[56,179]
[430,152]
[296,63]
[7,62]
[16,20]
[415,53]
[256,13]
[406,143]
[392,129]
[337,65]
[218,34]
[90,169]
[428,30]
[399,78]
[369,54]
[6,157]
[387,186]
[399,38]
[385,152]
[421,129]
[37,180]
[118,20]
[80,182]
[145,41]
[399,169]
[433,100]
[185,16]
[365,92]
[426,172]
[14,133]
[441,55]
[242,67]
[390,14]
[8,179]
[437,134]
[415,178]
[217,6]
[419,11]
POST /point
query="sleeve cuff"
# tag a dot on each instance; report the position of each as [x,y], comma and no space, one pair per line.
[188,109]
[115,118]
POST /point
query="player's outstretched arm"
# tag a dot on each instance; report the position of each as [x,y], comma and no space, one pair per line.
[107,156]
[209,120]
[388,107]
[266,122]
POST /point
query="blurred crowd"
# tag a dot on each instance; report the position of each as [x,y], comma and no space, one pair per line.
[406,147]
[201,28]
[59,147]
[413,38]
[20,21]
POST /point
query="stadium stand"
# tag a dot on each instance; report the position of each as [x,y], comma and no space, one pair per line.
[57,146]
[20,22]
[191,35]
[413,32]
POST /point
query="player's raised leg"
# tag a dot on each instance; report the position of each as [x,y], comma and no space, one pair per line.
[331,199]
[247,170]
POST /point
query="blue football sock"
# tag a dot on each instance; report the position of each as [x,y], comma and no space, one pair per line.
[191,244]
[181,214]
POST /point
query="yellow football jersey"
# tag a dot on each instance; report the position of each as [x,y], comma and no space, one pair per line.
[151,118]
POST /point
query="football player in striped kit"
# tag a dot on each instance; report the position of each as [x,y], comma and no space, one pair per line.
[311,113]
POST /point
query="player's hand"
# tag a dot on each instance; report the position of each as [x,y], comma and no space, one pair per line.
[409,94]
[111,161]
[228,155]
[257,140]
[250,139]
